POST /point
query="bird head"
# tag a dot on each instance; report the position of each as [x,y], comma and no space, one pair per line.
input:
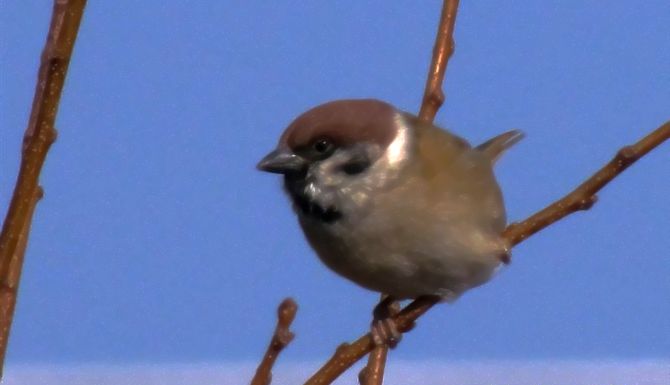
[335,154]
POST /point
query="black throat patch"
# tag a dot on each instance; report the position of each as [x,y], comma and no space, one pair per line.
[295,186]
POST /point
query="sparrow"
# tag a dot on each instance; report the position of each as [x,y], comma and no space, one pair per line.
[394,204]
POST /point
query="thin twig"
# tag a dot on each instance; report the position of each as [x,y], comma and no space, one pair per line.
[433,96]
[348,354]
[39,136]
[579,199]
[280,339]
[584,196]
[9,286]
[373,372]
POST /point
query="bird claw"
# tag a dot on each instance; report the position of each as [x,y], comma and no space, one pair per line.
[385,332]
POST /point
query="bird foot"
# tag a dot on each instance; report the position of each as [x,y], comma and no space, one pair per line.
[384,331]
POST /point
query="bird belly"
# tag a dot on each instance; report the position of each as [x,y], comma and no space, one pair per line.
[406,261]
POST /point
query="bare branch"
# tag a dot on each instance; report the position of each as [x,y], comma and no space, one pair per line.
[9,287]
[373,372]
[433,96]
[280,339]
[584,196]
[348,354]
[39,136]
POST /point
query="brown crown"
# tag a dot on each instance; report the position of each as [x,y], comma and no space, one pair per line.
[344,122]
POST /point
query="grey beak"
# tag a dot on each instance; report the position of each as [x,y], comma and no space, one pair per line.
[282,162]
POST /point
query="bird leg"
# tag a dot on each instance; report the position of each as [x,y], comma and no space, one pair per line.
[383,329]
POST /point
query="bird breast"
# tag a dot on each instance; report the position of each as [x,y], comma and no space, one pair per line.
[407,243]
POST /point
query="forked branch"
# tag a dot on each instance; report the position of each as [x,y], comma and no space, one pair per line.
[39,136]
[348,354]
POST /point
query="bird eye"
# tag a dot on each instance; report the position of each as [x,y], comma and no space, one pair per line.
[322,146]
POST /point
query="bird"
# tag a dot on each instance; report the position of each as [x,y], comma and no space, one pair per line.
[392,203]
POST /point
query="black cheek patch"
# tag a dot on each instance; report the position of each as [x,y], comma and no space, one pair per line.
[356,166]
[329,215]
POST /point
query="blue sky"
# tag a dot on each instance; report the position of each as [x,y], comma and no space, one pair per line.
[157,241]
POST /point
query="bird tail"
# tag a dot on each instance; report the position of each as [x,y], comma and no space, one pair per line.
[494,148]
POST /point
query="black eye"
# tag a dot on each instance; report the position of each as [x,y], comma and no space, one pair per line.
[322,146]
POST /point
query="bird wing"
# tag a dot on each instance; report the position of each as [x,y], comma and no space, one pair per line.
[461,178]
[439,149]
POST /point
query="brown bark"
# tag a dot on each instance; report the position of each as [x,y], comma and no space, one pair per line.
[433,96]
[584,196]
[280,339]
[39,136]
[348,354]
